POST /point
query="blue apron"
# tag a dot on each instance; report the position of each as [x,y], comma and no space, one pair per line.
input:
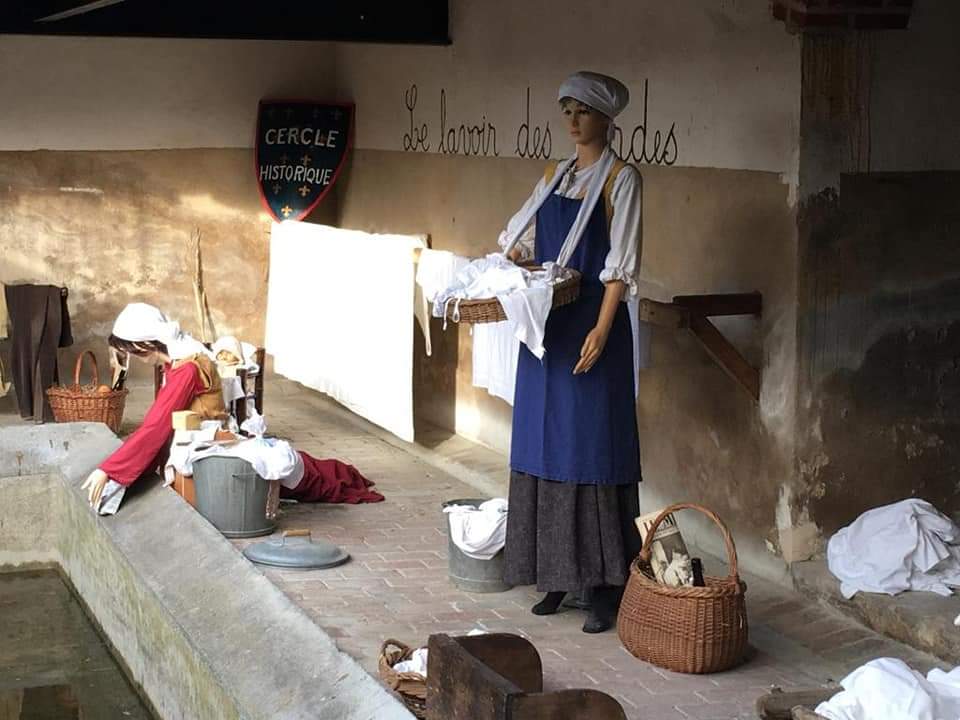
[577,428]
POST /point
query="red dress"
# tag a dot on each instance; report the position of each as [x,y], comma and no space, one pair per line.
[331,481]
[144,449]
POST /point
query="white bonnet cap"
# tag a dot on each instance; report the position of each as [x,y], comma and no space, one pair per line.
[140,322]
[601,92]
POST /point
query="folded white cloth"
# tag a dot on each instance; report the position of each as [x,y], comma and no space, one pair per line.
[479,533]
[888,689]
[908,545]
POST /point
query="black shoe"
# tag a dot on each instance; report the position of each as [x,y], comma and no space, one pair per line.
[597,622]
[550,603]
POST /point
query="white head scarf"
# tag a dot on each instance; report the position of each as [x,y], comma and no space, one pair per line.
[140,322]
[601,92]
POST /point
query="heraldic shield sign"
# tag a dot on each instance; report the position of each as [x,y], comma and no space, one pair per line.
[301,148]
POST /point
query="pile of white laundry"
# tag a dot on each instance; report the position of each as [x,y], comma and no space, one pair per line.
[908,545]
[272,459]
[479,532]
[888,689]
[526,296]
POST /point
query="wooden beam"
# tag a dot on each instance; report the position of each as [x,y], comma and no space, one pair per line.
[664,314]
[778,705]
[726,355]
[725,304]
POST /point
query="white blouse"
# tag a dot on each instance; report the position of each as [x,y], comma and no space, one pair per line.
[626,226]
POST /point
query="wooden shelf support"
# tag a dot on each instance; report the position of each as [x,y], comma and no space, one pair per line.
[693,312]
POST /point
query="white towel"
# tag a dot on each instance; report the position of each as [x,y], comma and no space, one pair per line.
[339,305]
[495,351]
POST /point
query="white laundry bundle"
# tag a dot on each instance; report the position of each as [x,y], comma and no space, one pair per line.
[272,459]
[526,295]
[908,545]
[416,664]
[888,689]
[479,533]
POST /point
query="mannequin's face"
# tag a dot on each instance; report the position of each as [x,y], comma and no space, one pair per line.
[585,125]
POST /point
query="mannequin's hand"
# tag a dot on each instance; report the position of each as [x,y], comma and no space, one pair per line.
[590,352]
[94,485]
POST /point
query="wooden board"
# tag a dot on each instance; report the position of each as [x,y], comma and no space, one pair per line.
[726,304]
[778,705]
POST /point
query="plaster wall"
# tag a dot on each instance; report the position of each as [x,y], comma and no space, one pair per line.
[878,294]
[89,93]
[113,152]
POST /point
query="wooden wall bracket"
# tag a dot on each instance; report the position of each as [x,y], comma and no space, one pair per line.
[693,312]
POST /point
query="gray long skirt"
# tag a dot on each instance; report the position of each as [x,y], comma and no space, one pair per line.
[564,536]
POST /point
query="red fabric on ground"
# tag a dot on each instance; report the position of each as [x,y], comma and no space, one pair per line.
[140,451]
[331,481]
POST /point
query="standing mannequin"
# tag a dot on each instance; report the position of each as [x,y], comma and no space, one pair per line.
[575,458]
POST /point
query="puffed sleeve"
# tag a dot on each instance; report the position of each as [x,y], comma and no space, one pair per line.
[526,241]
[626,231]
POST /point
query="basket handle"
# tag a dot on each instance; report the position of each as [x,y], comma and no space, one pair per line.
[76,368]
[646,551]
[396,643]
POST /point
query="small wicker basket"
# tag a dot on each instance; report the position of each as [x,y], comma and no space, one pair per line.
[489,310]
[685,629]
[410,686]
[84,403]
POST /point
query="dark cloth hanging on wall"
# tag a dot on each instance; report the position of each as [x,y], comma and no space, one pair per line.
[40,324]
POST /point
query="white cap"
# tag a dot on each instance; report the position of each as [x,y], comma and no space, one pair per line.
[601,92]
[140,322]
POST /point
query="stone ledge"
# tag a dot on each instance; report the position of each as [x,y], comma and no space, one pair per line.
[921,620]
[201,630]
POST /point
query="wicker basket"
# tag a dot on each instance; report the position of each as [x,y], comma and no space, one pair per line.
[410,686]
[489,310]
[685,629]
[83,403]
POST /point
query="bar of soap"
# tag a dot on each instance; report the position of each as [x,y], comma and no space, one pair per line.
[186,420]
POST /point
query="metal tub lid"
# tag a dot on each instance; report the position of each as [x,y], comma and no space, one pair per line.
[296,549]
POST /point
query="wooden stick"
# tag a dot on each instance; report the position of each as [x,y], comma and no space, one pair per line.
[200,295]
[726,355]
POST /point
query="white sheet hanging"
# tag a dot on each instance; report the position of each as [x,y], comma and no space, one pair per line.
[339,309]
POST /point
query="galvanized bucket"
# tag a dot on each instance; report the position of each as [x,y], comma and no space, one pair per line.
[467,573]
[232,496]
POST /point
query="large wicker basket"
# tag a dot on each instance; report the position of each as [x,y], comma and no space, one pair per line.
[410,686]
[685,629]
[85,403]
[489,310]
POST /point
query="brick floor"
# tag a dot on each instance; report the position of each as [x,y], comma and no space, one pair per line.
[396,584]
